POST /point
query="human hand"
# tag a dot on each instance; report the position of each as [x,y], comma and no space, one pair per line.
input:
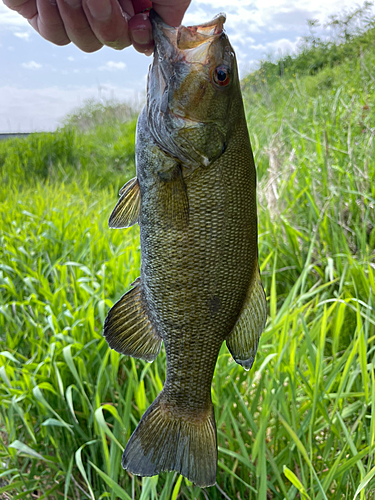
[90,24]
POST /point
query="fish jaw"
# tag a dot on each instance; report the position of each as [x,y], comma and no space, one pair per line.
[182,98]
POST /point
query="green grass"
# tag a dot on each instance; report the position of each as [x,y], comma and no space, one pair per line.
[301,424]
[102,156]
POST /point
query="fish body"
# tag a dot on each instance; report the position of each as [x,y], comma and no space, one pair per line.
[195,201]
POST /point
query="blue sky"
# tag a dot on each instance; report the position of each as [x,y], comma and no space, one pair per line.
[40,82]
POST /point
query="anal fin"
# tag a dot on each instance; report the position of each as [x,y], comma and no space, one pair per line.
[243,340]
[126,212]
[128,329]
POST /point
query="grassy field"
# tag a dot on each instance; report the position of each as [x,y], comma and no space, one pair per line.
[301,424]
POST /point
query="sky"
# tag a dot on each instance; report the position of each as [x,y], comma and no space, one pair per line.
[40,82]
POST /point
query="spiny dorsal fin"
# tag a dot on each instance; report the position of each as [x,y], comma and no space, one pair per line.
[128,329]
[126,212]
[243,340]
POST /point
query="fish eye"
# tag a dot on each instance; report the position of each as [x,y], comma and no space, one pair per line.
[221,76]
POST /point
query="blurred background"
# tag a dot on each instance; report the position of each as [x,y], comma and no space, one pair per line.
[40,83]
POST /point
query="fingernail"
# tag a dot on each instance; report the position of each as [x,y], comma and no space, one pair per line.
[74,3]
[143,37]
[100,9]
[145,25]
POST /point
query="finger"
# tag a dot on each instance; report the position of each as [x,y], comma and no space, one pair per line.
[141,33]
[77,26]
[171,11]
[127,7]
[43,16]
[27,8]
[48,23]
[141,5]
[108,22]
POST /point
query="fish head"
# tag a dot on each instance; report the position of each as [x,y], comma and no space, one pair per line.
[192,85]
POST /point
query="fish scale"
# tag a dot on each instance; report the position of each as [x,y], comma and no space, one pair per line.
[195,201]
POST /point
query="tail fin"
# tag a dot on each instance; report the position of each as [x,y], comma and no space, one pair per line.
[166,442]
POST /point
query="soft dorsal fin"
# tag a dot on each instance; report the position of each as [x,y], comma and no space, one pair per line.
[128,329]
[243,340]
[126,212]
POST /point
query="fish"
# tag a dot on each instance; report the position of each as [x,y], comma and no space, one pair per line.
[194,198]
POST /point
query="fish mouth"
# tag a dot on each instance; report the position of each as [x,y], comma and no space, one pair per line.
[185,43]
[178,53]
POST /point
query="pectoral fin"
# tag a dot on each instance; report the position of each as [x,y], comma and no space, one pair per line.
[128,329]
[126,212]
[175,203]
[244,338]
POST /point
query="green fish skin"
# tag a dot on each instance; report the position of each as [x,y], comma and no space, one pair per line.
[194,199]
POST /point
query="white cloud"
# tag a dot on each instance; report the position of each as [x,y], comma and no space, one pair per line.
[282,46]
[112,66]
[266,8]
[31,65]
[24,35]
[241,39]
[248,17]
[70,58]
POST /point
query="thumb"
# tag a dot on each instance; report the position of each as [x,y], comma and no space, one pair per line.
[171,11]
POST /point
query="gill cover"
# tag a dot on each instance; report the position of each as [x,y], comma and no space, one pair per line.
[190,86]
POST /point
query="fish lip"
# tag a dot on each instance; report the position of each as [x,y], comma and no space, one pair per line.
[193,36]
[170,42]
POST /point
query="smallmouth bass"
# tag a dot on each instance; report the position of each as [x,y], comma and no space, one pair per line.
[194,199]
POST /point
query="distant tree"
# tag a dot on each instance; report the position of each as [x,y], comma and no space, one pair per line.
[348,24]
[312,40]
[351,32]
